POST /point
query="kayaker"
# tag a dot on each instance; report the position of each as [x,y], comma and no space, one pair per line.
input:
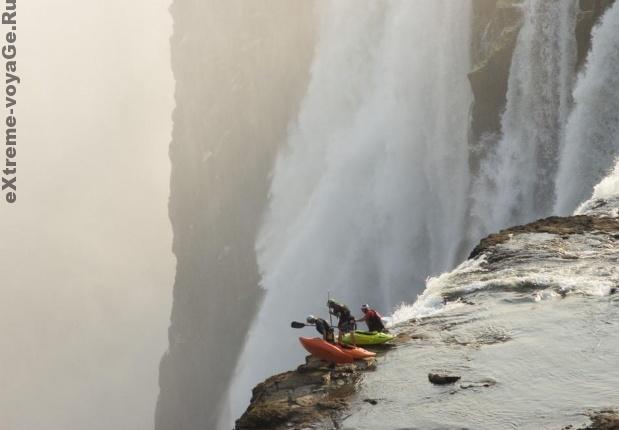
[322,327]
[372,319]
[346,321]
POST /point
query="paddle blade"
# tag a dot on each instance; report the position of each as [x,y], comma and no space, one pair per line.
[297,324]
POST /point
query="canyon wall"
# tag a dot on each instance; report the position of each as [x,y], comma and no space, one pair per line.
[240,68]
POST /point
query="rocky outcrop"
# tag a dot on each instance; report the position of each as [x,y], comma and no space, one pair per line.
[496,25]
[590,13]
[561,226]
[319,397]
[312,397]
[604,420]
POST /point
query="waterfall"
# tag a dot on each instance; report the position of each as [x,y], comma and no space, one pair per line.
[369,194]
[592,132]
[515,183]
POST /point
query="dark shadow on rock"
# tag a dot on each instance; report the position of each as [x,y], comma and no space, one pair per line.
[442,378]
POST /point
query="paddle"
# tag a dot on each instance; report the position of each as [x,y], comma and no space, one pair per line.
[297,324]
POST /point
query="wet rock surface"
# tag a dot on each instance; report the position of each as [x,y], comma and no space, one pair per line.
[604,420]
[442,378]
[517,315]
[312,397]
[562,226]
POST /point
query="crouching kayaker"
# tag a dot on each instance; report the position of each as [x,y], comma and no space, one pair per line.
[372,319]
[322,327]
[346,321]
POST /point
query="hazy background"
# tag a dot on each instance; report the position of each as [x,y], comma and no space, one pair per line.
[86,268]
[241,70]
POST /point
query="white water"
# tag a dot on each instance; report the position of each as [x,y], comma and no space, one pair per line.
[592,133]
[609,186]
[571,271]
[607,191]
[516,179]
[369,194]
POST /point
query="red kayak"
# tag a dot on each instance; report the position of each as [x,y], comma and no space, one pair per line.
[333,353]
[355,352]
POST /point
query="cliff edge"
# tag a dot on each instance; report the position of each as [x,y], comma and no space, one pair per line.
[314,396]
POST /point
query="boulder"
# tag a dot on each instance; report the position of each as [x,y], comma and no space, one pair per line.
[442,378]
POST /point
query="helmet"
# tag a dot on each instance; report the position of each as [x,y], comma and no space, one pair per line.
[330,302]
[311,319]
[364,308]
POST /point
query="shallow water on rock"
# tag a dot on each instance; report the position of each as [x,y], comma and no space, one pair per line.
[553,359]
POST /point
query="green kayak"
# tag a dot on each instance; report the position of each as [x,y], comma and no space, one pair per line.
[368,338]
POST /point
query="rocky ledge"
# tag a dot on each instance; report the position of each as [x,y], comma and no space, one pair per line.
[312,397]
[578,224]
[320,396]
[606,419]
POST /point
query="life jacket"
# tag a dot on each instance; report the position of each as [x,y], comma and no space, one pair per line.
[374,320]
[325,330]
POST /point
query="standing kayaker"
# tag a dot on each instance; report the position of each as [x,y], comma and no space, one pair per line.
[323,327]
[372,319]
[345,320]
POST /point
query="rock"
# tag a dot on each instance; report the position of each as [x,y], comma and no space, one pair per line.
[371,401]
[496,25]
[605,419]
[442,378]
[590,12]
[560,226]
[313,396]
[331,404]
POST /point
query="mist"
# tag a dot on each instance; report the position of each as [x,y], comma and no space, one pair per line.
[241,69]
[87,268]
